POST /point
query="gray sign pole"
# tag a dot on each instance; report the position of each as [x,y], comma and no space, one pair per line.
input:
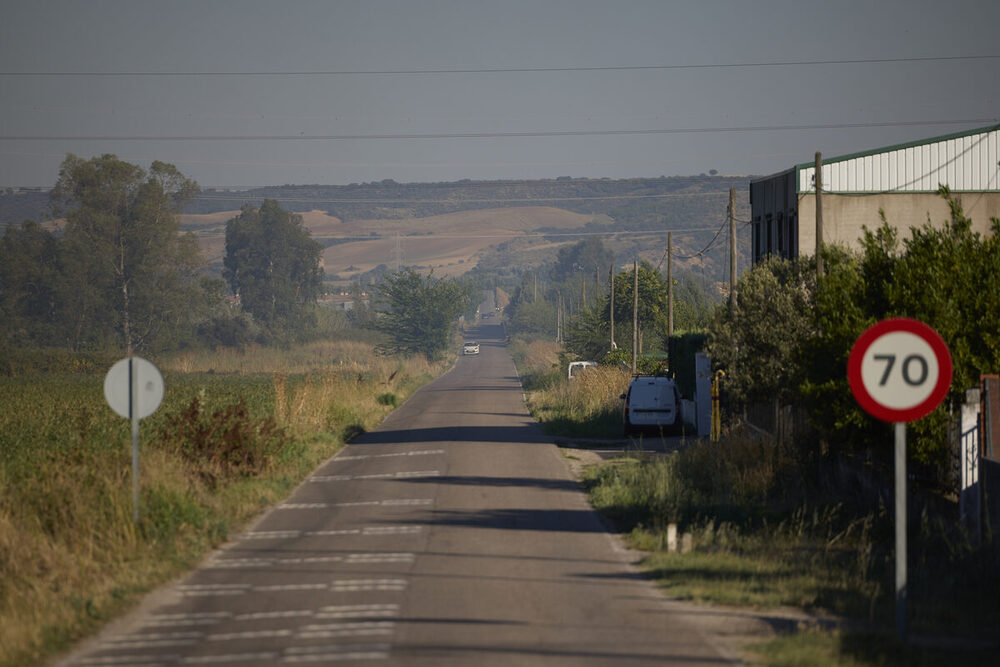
[900,455]
[133,411]
[134,389]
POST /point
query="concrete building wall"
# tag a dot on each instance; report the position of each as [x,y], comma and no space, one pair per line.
[845,215]
[901,180]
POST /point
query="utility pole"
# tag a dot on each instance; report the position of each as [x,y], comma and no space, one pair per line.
[635,313]
[611,303]
[534,295]
[559,316]
[583,290]
[670,284]
[732,251]
[819,214]
[597,283]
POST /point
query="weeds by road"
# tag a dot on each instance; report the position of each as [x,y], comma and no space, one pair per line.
[765,532]
[234,434]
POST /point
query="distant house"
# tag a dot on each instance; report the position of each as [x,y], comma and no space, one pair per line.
[900,180]
[342,301]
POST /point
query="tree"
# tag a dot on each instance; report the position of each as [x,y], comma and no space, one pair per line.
[273,264]
[581,258]
[31,284]
[943,275]
[418,312]
[132,272]
[652,300]
[758,343]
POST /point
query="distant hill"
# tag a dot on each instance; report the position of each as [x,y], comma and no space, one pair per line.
[452,227]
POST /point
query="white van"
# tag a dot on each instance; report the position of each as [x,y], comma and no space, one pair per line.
[652,403]
[576,367]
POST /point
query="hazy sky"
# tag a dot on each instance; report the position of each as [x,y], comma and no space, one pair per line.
[364,90]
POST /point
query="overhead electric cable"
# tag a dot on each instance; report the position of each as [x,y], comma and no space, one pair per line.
[511,70]
[488,135]
[392,200]
[707,247]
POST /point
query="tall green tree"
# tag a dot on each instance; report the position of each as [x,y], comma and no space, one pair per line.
[581,258]
[273,264]
[418,313]
[759,342]
[132,272]
[31,284]
[652,302]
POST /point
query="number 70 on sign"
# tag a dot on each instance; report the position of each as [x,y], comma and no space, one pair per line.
[899,370]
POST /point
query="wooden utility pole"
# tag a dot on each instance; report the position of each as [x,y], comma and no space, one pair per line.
[819,214]
[611,303]
[670,284]
[732,250]
[559,316]
[635,313]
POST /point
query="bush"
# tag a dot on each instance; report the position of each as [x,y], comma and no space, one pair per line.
[388,398]
[226,443]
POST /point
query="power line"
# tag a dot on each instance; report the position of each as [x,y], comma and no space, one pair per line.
[490,135]
[417,237]
[390,200]
[707,247]
[508,70]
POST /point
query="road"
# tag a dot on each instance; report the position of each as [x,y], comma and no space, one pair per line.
[454,534]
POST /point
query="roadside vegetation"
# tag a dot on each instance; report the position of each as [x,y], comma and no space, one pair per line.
[236,432]
[262,384]
[801,517]
[587,407]
[763,531]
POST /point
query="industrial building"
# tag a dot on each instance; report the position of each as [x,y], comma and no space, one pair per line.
[901,180]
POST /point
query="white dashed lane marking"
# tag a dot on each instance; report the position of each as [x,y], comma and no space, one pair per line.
[337,653]
[349,559]
[337,586]
[359,611]
[335,630]
[366,531]
[362,457]
[366,503]
[381,475]
[131,660]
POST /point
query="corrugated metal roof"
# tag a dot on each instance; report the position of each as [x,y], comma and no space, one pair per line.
[965,162]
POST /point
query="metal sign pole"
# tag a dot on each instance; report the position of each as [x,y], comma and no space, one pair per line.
[900,456]
[133,410]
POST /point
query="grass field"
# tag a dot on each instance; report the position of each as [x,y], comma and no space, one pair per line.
[235,433]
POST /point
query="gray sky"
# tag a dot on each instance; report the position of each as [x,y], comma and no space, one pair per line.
[376,113]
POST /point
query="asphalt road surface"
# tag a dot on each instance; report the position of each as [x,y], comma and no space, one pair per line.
[454,534]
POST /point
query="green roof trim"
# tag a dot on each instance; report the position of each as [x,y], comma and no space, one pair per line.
[897,147]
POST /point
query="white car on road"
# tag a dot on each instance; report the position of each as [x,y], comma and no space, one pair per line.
[470,347]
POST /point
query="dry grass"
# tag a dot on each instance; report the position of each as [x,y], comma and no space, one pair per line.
[595,391]
[537,355]
[317,357]
[70,555]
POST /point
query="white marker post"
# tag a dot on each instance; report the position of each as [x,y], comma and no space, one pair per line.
[134,389]
[899,370]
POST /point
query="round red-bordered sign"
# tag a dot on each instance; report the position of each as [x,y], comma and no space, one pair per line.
[899,370]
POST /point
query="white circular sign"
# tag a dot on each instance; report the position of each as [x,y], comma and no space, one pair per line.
[141,379]
[899,369]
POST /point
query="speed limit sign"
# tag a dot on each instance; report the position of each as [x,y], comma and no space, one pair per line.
[899,370]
